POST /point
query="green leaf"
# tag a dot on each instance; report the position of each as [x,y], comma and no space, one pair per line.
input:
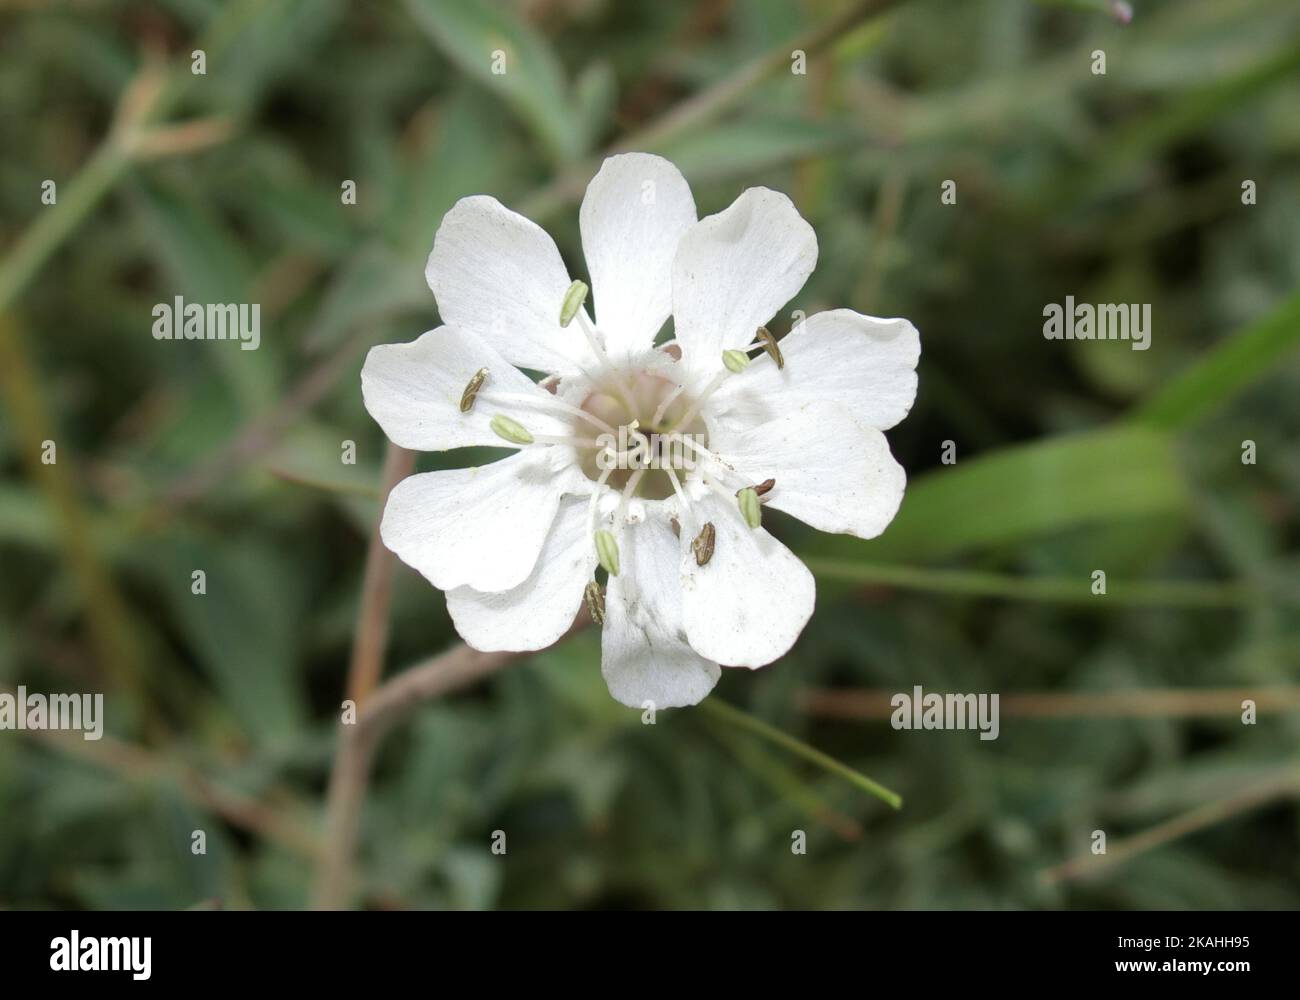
[205,264]
[1223,372]
[1032,490]
[745,147]
[242,630]
[476,35]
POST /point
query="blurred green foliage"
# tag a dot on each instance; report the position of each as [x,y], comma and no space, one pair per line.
[1071,456]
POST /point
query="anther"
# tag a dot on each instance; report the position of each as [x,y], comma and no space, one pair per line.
[607,551]
[703,544]
[735,361]
[471,391]
[511,430]
[750,509]
[595,598]
[761,489]
[573,300]
[768,342]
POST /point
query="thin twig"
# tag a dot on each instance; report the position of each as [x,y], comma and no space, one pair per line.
[107,613]
[743,720]
[371,637]
[135,763]
[1253,797]
[1137,703]
[357,744]
[705,107]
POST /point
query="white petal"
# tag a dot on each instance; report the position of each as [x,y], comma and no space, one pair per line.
[540,610]
[747,605]
[831,471]
[634,214]
[734,270]
[644,654]
[867,365]
[414,390]
[481,527]
[500,275]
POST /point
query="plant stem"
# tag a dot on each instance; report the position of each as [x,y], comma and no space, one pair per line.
[734,716]
[371,637]
[1068,590]
[704,107]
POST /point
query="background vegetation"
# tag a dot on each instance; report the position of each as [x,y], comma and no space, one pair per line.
[1119,713]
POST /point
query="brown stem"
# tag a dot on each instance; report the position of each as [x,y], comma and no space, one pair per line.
[459,667]
[376,589]
[278,823]
[1137,703]
[1272,789]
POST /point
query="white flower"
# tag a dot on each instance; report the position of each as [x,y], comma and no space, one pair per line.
[694,580]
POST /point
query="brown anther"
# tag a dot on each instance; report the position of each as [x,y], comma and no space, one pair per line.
[595,598]
[769,345]
[703,544]
[471,391]
[761,489]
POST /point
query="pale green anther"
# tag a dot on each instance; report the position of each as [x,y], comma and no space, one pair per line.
[573,300]
[736,361]
[607,551]
[511,430]
[750,509]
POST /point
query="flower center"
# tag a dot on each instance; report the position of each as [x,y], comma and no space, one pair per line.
[657,431]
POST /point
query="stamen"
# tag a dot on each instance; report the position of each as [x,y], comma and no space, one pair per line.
[750,509]
[544,404]
[703,397]
[761,488]
[633,481]
[607,551]
[471,391]
[595,491]
[735,361]
[768,343]
[573,439]
[699,449]
[511,430]
[573,300]
[677,488]
[703,544]
[724,495]
[667,402]
[595,598]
